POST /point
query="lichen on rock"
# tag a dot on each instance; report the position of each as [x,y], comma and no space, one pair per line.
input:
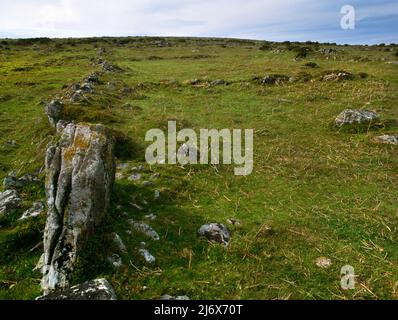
[80,172]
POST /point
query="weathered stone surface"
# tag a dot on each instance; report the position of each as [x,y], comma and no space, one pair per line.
[356,116]
[389,139]
[61,125]
[9,201]
[148,257]
[37,209]
[145,229]
[215,232]
[80,174]
[98,289]
[54,111]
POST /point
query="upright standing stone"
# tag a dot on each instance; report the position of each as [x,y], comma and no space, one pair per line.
[80,175]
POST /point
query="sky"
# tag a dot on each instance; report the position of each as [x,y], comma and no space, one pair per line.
[376,21]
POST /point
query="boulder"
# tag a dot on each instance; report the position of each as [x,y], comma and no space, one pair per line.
[80,171]
[216,232]
[9,201]
[54,111]
[98,289]
[356,117]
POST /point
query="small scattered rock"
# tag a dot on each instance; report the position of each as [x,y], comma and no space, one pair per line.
[146,183]
[119,242]
[145,229]
[10,144]
[93,78]
[355,116]
[9,201]
[107,67]
[139,168]
[268,80]
[149,258]
[123,166]
[157,194]
[218,82]
[338,76]
[215,232]
[154,176]
[151,216]
[11,181]
[29,179]
[76,96]
[323,262]
[168,297]
[388,139]
[115,260]
[37,209]
[98,289]
[135,177]
[192,82]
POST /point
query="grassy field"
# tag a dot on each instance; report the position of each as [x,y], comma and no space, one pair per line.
[315,191]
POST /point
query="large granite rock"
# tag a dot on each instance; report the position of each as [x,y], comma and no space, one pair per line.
[98,289]
[80,172]
[356,117]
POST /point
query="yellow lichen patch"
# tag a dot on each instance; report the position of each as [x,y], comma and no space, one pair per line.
[81,142]
[69,153]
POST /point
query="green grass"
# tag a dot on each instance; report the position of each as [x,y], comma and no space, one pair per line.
[324,192]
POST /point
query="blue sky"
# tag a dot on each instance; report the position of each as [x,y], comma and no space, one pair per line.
[293,20]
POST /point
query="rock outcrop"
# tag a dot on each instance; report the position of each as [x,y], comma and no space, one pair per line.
[80,174]
[9,201]
[98,289]
[356,117]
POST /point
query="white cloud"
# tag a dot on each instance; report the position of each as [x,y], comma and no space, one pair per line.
[264,19]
